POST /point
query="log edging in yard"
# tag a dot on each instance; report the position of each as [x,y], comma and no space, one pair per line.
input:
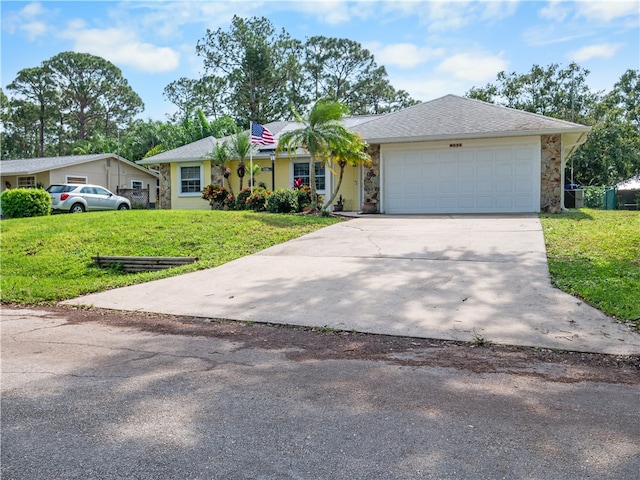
[142,264]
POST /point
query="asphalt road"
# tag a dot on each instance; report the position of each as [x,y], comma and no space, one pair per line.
[92,401]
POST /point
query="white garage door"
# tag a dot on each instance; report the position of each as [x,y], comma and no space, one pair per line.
[459,179]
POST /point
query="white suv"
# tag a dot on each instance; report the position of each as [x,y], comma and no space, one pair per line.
[73,198]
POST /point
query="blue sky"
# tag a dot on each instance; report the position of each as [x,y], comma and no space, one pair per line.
[429,48]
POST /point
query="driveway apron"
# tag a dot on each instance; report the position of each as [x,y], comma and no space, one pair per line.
[467,277]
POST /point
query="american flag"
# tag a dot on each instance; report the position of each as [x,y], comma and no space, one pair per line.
[261,135]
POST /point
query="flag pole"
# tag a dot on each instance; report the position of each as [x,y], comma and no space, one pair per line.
[250,157]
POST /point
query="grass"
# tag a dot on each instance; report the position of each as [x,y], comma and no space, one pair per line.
[47,259]
[595,255]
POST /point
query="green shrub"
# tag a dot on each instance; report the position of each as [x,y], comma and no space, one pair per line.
[304,196]
[257,199]
[282,201]
[216,195]
[594,197]
[25,202]
[241,199]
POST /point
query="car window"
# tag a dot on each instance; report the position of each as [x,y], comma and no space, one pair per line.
[90,190]
[102,191]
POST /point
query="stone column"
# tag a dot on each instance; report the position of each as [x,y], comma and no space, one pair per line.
[371,178]
[551,187]
[165,186]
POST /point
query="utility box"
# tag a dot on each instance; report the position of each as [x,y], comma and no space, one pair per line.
[574,198]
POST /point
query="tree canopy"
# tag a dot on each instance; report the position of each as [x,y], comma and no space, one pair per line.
[612,150]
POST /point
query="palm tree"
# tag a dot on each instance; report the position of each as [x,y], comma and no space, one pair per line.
[351,152]
[321,135]
[240,148]
[219,156]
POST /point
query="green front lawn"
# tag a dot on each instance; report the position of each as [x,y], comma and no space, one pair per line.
[595,255]
[47,259]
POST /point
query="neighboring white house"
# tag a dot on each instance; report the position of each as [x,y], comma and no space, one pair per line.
[106,169]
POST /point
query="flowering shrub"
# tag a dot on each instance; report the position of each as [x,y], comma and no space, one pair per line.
[257,199]
[304,196]
[216,195]
[241,199]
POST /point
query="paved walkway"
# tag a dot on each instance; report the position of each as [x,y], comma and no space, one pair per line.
[460,277]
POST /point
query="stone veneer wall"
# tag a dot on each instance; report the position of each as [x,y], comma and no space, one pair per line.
[371,180]
[165,186]
[551,174]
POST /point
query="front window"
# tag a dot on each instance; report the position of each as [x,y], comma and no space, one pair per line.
[136,184]
[26,182]
[80,180]
[191,180]
[301,170]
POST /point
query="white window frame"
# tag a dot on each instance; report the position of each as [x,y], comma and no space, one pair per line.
[26,181]
[326,177]
[201,179]
[69,178]
[133,187]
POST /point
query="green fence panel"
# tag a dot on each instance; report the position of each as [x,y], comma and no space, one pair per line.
[610,199]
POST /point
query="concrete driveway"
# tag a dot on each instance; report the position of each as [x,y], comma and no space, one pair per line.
[467,277]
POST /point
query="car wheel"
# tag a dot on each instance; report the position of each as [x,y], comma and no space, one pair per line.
[123,206]
[76,208]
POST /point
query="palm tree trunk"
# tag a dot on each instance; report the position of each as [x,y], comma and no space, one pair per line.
[337,189]
[312,185]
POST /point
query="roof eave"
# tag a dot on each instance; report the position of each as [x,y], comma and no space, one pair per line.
[473,136]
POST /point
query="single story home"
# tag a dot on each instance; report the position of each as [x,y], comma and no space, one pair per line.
[448,155]
[106,169]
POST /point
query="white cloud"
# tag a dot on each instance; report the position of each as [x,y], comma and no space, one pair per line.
[29,20]
[402,55]
[33,10]
[603,50]
[34,30]
[499,10]
[607,10]
[473,66]
[555,10]
[444,16]
[122,47]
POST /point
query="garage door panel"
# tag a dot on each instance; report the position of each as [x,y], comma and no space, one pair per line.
[498,179]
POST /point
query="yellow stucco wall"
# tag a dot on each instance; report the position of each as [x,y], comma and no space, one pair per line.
[283,179]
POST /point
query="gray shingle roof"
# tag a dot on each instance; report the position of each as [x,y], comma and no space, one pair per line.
[190,152]
[199,149]
[30,166]
[458,117]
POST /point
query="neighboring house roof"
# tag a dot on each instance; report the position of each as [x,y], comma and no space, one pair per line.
[457,117]
[31,166]
[632,183]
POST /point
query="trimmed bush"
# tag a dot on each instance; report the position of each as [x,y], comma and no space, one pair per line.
[282,201]
[257,199]
[25,202]
[242,197]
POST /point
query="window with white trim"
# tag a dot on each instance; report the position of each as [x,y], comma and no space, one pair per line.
[301,170]
[27,182]
[190,180]
[76,180]
[137,184]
